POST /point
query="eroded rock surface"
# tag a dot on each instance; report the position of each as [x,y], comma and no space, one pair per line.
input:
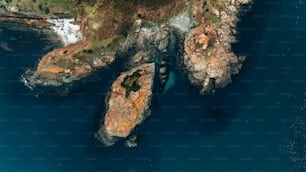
[128,103]
[208,58]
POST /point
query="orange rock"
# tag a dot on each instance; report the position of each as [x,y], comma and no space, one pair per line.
[61,63]
[124,112]
[208,58]
[54,70]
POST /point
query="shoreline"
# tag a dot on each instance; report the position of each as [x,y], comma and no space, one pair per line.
[59,29]
[205,30]
[40,22]
[65,28]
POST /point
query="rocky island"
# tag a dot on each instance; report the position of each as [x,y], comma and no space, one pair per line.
[141,34]
[128,103]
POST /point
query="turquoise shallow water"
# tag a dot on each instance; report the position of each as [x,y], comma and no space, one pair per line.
[240,128]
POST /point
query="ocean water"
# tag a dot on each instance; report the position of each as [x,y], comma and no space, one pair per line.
[240,128]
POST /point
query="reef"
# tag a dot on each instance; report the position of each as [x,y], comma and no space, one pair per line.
[142,34]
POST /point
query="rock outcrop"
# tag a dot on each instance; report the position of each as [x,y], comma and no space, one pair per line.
[148,43]
[148,37]
[128,103]
[141,57]
[67,64]
[208,59]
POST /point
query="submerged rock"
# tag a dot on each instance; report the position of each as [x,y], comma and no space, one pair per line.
[5,47]
[163,73]
[131,141]
[128,103]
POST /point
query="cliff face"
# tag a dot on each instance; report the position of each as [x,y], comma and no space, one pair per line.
[128,103]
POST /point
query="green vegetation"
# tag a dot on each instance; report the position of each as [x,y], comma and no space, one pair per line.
[213,19]
[97,48]
[107,19]
[88,55]
[130,83]
[66,64]
[43,7]
[101,43]
[152,3]
[219,5]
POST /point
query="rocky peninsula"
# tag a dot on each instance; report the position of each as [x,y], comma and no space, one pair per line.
[142,34]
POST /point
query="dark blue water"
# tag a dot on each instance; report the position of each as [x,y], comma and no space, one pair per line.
[240,128]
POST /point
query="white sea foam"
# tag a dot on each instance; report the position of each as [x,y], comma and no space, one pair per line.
[26,82]
[181,21]
[67,30]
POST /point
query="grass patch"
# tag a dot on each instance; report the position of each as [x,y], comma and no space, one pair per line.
[46,7]
[219,5]
[101,43]
[213,19]
[66,64]
[130,83]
